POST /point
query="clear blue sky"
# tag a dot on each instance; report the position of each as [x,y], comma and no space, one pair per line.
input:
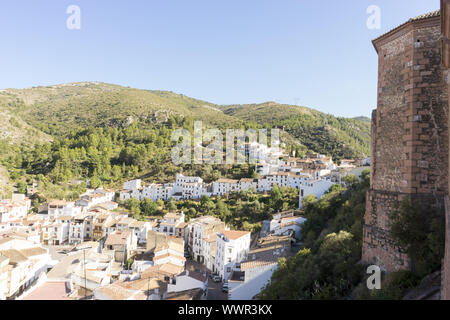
[312,53]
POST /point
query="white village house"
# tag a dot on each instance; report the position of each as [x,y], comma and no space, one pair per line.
[232,247]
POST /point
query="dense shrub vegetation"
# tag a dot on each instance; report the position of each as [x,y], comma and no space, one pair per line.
[420,231]
[108,156]
[244,211]
[324,133]
[327,267]
[107,132]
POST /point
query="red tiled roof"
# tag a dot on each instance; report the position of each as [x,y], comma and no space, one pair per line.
[118,237]
[169,255]
[231,181]
[49,291]
[233,235]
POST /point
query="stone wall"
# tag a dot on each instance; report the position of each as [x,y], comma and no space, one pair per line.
[394,60]
[379,249]
[445,274]
[409,134]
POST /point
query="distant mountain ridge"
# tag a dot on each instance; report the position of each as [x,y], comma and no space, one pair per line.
[59,109]
[320,132]
[362,118]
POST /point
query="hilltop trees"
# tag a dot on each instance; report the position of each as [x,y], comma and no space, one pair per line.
[328,273]
[148,207]
[420,231]
[107,156]
[134,206]
[100,154]
[171,205]
[339,137]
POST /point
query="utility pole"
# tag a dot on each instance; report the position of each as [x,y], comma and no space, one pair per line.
[85,279]
[148,288]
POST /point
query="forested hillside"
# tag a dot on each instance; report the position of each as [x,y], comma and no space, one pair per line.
[327,267]
[107,133]
[57,110]
[324,133]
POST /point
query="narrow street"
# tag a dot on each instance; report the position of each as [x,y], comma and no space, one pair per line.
[214,289]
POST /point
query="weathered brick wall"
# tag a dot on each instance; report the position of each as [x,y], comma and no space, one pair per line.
[427,144]
[394,64]
[445,286]
[379,249]
[409,134]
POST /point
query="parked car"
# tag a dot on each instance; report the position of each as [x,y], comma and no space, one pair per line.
[216,279]
[225,288]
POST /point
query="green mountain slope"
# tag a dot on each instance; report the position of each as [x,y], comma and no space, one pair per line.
[15,134]
[324,133]
[363,119]
[59,109]
[13,129]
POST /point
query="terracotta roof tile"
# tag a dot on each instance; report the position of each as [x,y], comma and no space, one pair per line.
[116,291]
[233,235]
[15,256]
[433,14]
[50,291]
[118,237]
[169,255]
[231,181]
[31,252]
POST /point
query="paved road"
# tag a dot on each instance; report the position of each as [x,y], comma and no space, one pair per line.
[215,291]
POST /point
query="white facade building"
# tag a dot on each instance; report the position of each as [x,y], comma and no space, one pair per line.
[169,223]
[171,252]
[81,229]
[56,232]
[198,232]
[132,185]
[58,208]
[224,186]
[231,247]
[10,210]
[140,229]
[294,172]
[315,187]
[26,262]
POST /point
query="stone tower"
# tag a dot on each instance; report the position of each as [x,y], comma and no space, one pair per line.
[409,133]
